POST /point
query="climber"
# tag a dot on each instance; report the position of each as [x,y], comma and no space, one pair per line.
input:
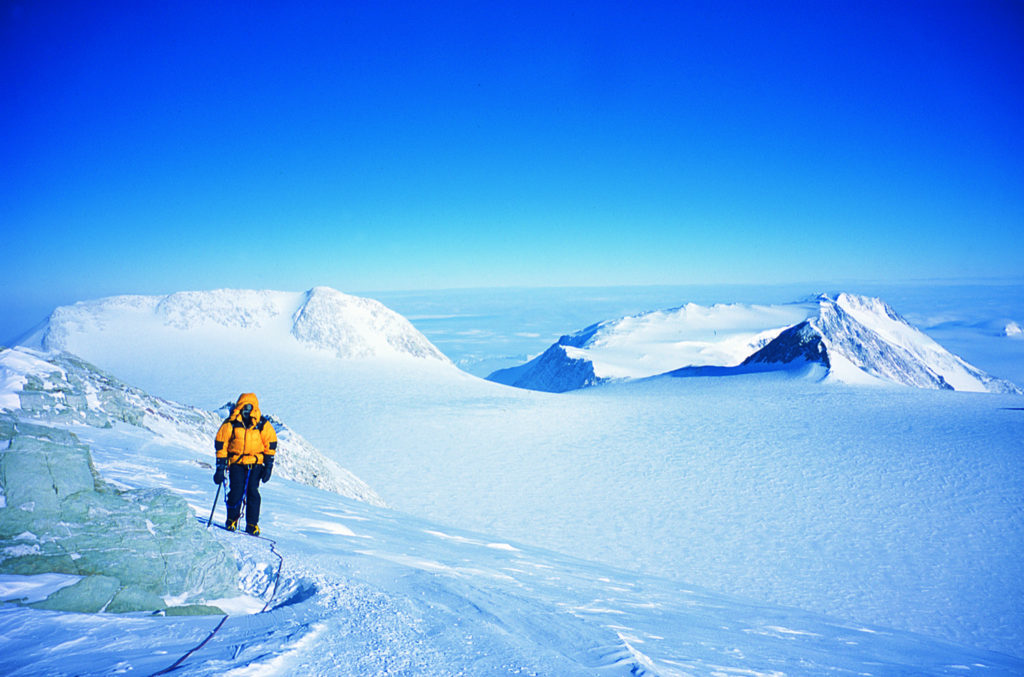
[245,446]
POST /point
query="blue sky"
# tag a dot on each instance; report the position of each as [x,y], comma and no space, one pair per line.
[388,145]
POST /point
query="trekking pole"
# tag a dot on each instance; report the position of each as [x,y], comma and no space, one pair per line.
[214,508]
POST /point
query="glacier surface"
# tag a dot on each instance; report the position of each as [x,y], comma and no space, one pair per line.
[349,588]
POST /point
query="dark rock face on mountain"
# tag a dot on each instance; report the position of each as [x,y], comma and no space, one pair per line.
[802,342]
[855,336]
[554,372]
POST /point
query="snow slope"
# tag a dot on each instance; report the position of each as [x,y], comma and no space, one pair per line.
[897,507]
[63,387]
[348,588]
[856,339]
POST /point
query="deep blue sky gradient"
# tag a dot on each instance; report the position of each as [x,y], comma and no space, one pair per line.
[155,147]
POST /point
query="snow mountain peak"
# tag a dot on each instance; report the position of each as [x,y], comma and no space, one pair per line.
[862,339]
[356,327]
[321,319]
[846,337]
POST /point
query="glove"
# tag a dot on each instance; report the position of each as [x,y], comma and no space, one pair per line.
[268,468]
[218,477]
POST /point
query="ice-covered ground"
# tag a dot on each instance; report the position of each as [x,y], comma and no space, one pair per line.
[348,588]
[876,506]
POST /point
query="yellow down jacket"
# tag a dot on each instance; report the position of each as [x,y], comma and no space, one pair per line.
[245,444]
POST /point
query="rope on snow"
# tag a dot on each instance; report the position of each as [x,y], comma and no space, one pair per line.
[276,583]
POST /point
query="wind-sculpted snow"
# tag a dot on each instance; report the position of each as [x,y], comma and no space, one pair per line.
[839,500]
[857,339]
[62,388]
[126,550]
[893,507]
[369,592]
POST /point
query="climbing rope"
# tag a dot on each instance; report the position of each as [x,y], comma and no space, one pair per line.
[273,593]
[192,650]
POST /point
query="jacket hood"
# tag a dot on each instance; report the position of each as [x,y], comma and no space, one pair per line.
[244,399]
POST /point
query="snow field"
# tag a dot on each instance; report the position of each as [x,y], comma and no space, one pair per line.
[882,506]
[397,595]
[878,505]
[660,341]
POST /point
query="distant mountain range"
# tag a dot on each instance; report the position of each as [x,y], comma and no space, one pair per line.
[837,338]
[841,338]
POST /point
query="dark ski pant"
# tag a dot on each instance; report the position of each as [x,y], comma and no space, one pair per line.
[245,479]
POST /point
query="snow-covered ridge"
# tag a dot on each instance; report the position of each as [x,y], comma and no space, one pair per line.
[651,343]
[355,327]
[321,319]
[857,339]
[59,388]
